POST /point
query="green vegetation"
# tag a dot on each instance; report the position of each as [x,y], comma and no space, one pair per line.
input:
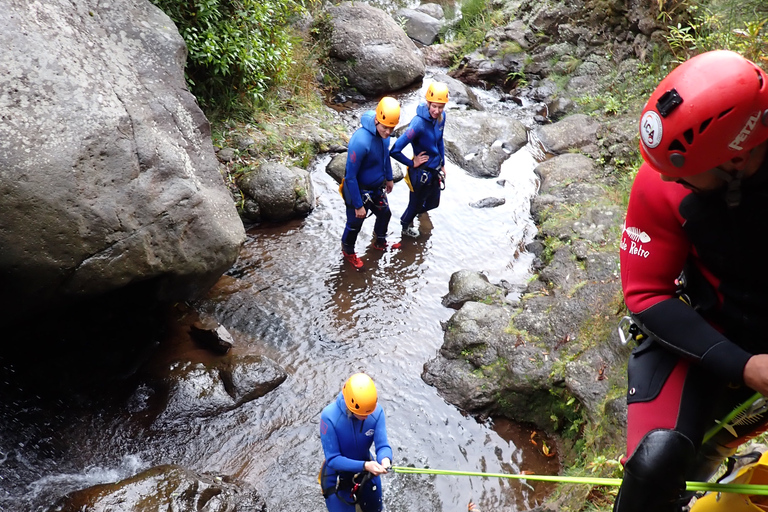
[477,18]
[738,25]
[238,49]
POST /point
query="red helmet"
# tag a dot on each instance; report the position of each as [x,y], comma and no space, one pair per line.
[707,111]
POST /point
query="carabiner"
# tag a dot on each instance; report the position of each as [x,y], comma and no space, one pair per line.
[624,325]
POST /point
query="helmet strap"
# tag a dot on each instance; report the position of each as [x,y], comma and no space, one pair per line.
[733,192]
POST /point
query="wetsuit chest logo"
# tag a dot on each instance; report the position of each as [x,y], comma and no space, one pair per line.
[369,432]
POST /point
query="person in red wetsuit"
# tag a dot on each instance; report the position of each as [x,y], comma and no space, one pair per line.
[694,275]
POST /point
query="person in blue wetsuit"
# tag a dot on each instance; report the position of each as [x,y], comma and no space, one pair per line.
[368,177]
[426,171]
[348,427]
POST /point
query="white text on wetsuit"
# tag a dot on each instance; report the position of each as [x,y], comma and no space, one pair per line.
[634,248]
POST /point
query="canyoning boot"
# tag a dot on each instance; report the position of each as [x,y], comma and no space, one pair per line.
[411,231]
[381,245]
[352,258]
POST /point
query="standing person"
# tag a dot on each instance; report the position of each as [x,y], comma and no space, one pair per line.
[348,427]
[426,171]
[694,276]
[368,177]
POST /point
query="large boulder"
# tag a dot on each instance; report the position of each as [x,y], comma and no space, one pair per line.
[420,26]
[108,176]
[370,50]
[276,192]
[480,142]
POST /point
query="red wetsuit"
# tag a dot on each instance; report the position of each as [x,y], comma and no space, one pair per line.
[691,370]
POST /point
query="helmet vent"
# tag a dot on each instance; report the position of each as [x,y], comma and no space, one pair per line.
[676,145]
[704,125]
[724,113]
[688,134]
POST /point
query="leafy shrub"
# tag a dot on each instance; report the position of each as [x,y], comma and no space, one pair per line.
[237,48]
[738,25]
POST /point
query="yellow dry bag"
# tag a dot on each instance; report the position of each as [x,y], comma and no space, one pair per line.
[755,473]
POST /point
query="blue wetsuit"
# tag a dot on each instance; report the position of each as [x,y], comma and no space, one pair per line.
[423,134]
[367,171]
[347,446]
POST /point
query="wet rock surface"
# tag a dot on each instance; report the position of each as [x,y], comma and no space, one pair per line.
[165,488]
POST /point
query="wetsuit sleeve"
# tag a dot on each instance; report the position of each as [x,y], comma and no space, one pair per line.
[681,329]
[654,248]
[440,143]
[380,440]
[387,161]
[332,450]
[406,138]
[356,153]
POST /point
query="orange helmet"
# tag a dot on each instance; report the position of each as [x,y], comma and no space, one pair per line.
[707,111]
[388,112]
[437,93]
[360,394]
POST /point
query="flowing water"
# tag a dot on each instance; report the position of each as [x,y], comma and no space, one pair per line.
[291,292]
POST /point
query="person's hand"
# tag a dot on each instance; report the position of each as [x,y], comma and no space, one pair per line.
[375,468]
[756,373]
[360,212]
[443,169]
[420,159]
[390,186]
[386,463]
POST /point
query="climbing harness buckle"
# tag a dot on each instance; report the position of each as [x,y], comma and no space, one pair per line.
[424,178]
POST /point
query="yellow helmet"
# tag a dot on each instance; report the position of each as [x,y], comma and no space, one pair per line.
[437,93]
[388,112]
[756,473]
[360,394]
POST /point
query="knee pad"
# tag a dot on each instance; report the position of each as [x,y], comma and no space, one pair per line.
[661,455]
[654,476]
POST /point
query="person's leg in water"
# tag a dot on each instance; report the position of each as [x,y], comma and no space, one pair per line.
[419,192]
[349,237]
[383,215]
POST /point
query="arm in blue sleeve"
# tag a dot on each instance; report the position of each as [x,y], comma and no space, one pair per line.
[397,150]
[440,143]
[383,450]
[333,457]
[387,163]
[356,153]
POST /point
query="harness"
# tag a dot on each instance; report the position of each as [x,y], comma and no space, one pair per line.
[375,197]
[343,484]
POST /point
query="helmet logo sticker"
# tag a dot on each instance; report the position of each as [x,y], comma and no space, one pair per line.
[637,238]
[651,129]
[745,132]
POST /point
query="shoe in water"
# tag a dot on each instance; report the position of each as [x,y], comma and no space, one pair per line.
[411,231]
[383,245]
[353,260]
